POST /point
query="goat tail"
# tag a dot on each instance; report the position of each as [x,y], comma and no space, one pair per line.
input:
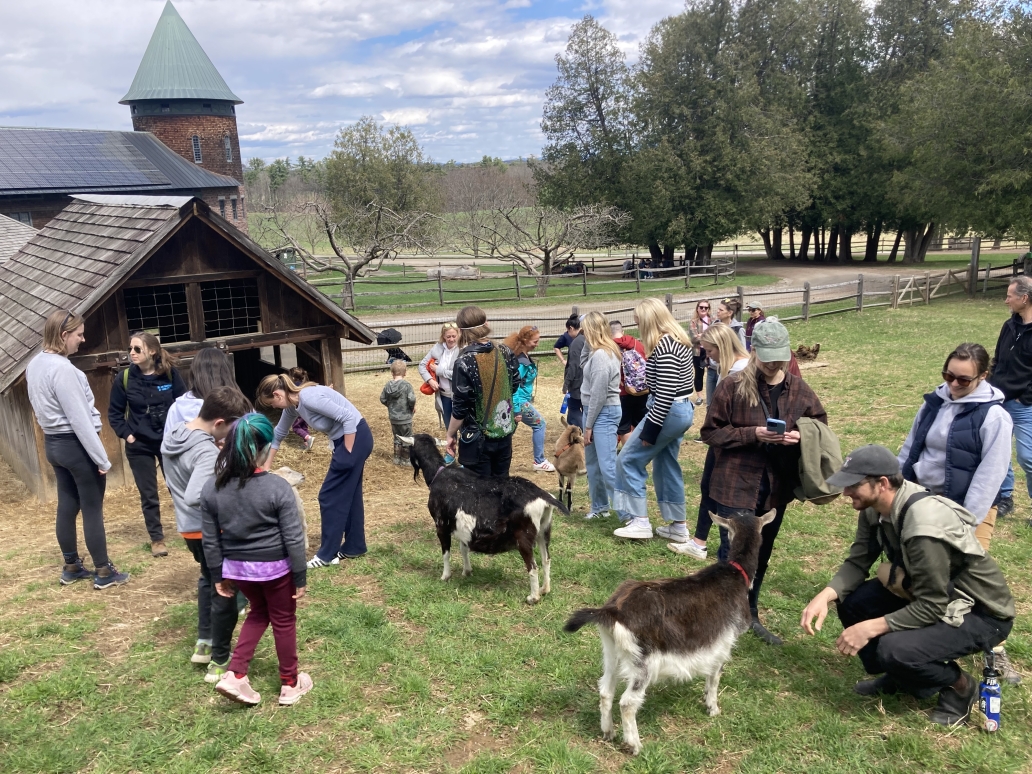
[583,617]
[555,503]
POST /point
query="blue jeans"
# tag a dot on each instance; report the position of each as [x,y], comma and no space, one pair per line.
[711,383]
[446,409]
[1022,416]
[667,478]
[600,458]
[532,419]
[575,412]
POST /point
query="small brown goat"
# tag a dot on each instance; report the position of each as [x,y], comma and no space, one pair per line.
[569,462]
[804,353]
[675,629]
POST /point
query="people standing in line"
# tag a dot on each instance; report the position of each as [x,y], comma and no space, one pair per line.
[210,368]
[960,447]
[522,343]
[755,316]
[141,397]
[633,405]
[485,379]
[444,353]
[600,391]
[720,343]
[657,439]
[254,540]
[341,506]
[62,401]
[941,596]
[1011,373]
[727,313]
[573,374]
[400,399]
[189,451]
[566,338]
[697,325]
[756,469]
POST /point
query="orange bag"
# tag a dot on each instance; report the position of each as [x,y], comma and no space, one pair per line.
[425,387]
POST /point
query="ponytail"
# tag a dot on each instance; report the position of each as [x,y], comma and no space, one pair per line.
[245,449]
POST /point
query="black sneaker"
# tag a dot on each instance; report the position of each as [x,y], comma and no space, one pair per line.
[1004,507]
[764,634]
[107,576]
[954,707]
[74,572]
[887,685]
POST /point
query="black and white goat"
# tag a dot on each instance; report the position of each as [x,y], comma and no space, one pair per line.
[486,515]
[674,629]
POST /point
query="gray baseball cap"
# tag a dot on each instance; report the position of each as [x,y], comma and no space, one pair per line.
[870,460]
[770,341]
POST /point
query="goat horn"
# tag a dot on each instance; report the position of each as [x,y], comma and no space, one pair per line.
[406,440]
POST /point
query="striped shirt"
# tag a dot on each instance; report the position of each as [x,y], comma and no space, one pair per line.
[669,374]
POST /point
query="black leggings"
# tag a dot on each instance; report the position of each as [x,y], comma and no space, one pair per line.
[142,456]
[80,486]
[699,361]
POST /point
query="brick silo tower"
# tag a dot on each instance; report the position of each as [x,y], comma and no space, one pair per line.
[179,96]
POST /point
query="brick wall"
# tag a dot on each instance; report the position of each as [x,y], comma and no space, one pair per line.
[42,209]
[177,133]
[211,197]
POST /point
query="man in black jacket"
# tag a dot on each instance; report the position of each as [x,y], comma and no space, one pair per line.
[1011,373]
[572,377]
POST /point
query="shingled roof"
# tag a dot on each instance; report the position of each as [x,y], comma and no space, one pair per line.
[13,234]
[89,249]
[175,66]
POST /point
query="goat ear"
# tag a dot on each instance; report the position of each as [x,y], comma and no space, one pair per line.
[406,440]
[720,520]
[767,518]
[440,443]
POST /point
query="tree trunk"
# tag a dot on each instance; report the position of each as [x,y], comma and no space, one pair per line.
[768,248]
[820,244]
[846,251]
[804,243]
[997,242]
[917,239]
[668,253]
[779,254]
[895,246]
[791,243]
[654,251]
[831,246]
[873,237]
[689,255]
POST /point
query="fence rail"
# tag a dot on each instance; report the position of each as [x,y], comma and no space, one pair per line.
[804,303]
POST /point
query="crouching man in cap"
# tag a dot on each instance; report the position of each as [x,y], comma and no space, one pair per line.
[939,596]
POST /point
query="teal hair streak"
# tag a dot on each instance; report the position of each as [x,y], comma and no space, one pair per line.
[248,437]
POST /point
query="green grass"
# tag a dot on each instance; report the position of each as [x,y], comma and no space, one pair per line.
[413,674]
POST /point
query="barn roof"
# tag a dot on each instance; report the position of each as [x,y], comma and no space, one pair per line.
[34,161]
[93,245]
[174,66]
[13,235]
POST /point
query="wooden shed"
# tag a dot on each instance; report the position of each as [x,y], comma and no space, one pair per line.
[168,265]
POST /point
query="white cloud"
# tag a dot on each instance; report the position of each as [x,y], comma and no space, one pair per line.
[468,75]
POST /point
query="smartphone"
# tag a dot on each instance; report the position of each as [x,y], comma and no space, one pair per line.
[776,426]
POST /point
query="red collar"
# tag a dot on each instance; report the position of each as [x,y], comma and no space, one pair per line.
[740,569]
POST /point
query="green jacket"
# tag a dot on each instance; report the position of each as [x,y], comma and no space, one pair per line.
[819,457]
[948,570]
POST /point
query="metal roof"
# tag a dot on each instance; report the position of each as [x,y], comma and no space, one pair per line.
[176,67]
[128,200]
[13,236]
[34,161]
[89,249]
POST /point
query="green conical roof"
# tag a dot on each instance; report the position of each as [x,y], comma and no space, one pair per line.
[176,67]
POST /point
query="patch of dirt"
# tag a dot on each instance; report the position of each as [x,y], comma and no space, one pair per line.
[478,742]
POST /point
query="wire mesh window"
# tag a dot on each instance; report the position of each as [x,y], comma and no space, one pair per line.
[196,149]
[229,147]
[160,309]
[231,307]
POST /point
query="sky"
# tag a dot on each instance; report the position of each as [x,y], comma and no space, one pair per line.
[467,76]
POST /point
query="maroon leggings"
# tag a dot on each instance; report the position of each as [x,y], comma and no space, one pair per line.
[271,602]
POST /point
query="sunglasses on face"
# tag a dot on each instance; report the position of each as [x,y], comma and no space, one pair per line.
[962,381]
[703,308]
[136,350]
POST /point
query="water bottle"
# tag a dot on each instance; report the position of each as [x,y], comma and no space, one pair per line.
[566,403]
[989,693]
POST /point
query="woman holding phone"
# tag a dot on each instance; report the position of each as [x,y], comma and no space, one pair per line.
[750,426]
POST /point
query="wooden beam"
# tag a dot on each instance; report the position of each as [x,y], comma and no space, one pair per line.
[195,311]
[186,279]
[333,361]
[309,350]
[232,343]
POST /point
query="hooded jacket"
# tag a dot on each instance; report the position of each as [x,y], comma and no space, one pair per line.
[948,571]
[148,399]
[185,409]
[189,461]
[1012,362]
[400,399]
[950,461]
[574,373]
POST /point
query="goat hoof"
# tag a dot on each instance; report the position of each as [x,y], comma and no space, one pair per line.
[608,736]
[546,590]
[466,573]
[713,711]
[635,748]
[446,577]
[533,600]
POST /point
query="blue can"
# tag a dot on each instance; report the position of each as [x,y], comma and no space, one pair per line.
[566,403]
[989,694]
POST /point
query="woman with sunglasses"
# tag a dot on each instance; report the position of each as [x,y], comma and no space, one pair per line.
[444,352]
[697,326]
[522,343]
[960,447]
[141,397]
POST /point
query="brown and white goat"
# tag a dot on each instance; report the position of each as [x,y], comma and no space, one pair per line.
[674,629]
[486,515]
[569,461]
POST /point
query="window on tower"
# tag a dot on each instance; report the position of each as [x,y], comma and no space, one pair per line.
[233,204]
[222,206]
[229,148]
[196,149]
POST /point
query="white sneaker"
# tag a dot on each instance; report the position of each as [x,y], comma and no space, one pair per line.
[638,529]
[596,515]
[691,548]
[315,561]
[544,467]
[671,532]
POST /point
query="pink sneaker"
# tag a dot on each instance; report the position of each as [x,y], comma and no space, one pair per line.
[238,689]
[292,694]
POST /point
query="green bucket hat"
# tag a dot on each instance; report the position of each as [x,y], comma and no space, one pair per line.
[770,341]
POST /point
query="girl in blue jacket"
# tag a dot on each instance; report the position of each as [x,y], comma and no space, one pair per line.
[522,343]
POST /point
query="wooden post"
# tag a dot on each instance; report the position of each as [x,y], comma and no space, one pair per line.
[516,274]
[949,276]
[687,275]
[332,358]
[637,279]
[440,286]
[859,292]
[806,301]
[928,288]
[584,277]
[573,310]
[985,282]
[976,248]
[741,299]
[895,291]
[670,302]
